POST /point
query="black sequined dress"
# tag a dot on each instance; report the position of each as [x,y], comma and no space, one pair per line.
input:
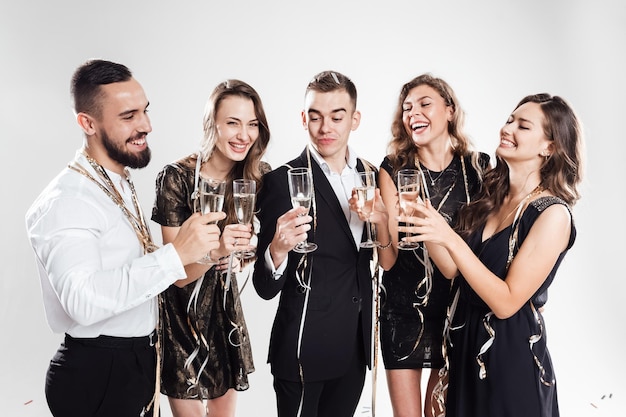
[411,330]
[205,347]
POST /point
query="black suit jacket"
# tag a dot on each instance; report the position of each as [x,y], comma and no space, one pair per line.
[339,308]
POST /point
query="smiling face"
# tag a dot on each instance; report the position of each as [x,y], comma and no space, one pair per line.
[117,135]
[523,138]
[329,118]
[425,115]
[236,128]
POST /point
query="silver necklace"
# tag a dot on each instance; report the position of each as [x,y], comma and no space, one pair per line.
[432,181]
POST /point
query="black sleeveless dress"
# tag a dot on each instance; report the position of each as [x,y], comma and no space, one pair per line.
[519,379]
[411,331]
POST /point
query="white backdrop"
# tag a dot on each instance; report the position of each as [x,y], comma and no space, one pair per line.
[492,53]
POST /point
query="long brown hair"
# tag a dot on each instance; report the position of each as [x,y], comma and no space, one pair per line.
[402,150]
[561,172]
[251,166]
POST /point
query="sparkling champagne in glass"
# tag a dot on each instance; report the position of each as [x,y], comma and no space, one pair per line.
[365,191]
[211,194]
[244,197]
[408,192]
[301,192]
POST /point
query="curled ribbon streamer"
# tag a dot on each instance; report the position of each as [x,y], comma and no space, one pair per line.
[427,281]
[482,374]
[197,335]
[236,327]
[534,339]
[200,341]
[438,395]
[229,272]
[439,391]
[419,336]
[422,299]
[375,329]
[307,291]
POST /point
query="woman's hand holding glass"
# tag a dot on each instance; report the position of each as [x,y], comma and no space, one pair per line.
[244,197]
[426,224]
[409,181]
[235,237]
[211,196]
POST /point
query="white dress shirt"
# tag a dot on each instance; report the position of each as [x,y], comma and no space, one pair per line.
[342,184]
[94,277]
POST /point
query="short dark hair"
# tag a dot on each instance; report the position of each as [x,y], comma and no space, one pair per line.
[88,78]
[328,81]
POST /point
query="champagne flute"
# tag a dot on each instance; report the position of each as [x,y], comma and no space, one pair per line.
[211,194]
[244,197]
[408,192]
[301,191]
[365,191]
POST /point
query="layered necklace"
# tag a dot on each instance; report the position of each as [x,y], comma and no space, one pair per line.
[136,219]
[433,180]
[426,191]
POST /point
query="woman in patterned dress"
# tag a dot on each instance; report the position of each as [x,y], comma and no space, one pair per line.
[205,345]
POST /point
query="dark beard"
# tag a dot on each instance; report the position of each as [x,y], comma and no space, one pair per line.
[119,154]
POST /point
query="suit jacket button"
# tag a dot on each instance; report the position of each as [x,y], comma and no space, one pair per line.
[355,300]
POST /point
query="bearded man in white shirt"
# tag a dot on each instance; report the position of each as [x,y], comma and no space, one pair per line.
[100,271]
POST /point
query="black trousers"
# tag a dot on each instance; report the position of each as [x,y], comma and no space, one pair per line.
[102,377]
[337,397]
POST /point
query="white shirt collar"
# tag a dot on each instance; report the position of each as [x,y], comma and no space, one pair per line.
[351,159]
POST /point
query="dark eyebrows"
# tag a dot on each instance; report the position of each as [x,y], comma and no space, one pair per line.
[236,119]
[341,109]
[132,111]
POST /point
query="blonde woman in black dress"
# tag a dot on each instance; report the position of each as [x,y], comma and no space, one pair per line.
[427,136]
[205,345]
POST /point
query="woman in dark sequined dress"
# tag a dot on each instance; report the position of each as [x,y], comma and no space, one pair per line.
[428,136]
[206,350]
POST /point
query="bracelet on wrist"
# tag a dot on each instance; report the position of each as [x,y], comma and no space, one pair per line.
[385,246]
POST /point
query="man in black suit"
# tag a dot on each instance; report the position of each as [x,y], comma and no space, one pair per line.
[320,343]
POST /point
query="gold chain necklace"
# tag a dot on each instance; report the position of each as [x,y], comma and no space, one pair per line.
[137,220]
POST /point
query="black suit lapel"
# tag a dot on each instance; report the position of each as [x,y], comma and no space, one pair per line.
[324,193]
